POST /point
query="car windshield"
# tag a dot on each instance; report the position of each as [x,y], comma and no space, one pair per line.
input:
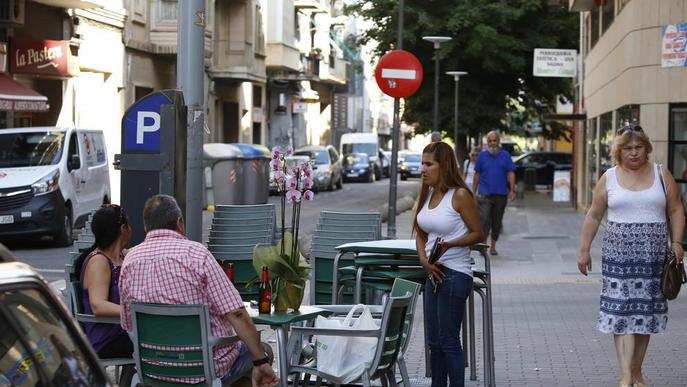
[30,149]
[512,148]
[320,157]
[367,148]
[355,159]
[412,158]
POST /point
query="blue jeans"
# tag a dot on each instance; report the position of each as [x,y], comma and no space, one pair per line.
[240,368]
[444,311]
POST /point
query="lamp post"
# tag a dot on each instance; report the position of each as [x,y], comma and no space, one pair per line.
[437,40]
[456,77]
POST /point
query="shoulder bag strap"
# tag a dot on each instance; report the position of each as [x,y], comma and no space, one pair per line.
[659,170]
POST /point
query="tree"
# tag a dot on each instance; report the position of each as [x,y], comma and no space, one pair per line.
[492,40]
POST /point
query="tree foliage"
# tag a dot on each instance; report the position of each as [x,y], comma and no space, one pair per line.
[492,40]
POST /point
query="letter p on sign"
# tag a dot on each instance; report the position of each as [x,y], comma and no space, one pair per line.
[152,124]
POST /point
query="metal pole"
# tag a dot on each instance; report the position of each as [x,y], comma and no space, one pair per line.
[190,79]
[436,88]
[395,138]
[455,118]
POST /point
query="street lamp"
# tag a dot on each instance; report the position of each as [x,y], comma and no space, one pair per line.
[437,40]
[456,77]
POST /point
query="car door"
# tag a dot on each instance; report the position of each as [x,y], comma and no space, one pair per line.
[76,176]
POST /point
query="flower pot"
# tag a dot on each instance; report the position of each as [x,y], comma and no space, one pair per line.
[290,297]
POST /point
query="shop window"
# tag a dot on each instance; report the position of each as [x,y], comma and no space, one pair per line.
[168,10]
[257,96]
[625,115]
[677,147]
[608,13]
[605,142]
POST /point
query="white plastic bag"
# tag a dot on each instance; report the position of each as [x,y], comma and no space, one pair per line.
[346,357]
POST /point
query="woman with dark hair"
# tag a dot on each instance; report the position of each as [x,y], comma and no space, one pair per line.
[640,196]
[446,209]
[99,269]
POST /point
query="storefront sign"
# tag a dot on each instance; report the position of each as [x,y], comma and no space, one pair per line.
[550,62]
[561,186]
[43,57]
[674,37]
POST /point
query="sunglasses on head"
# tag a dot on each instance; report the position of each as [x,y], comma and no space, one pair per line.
[629,128]
[119,212]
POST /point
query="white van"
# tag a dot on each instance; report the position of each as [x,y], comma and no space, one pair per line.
[50,179]
[367,143]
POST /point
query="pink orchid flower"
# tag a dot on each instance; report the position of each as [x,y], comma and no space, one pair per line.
[289,151]
[275,164]
[293,196]
[308,195]
[307,183]
[292,183]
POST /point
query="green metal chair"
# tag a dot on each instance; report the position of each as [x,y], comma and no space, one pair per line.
[174,341]
[268,208]
[390,342]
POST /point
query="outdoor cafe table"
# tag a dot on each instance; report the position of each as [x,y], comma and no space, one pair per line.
[281,323]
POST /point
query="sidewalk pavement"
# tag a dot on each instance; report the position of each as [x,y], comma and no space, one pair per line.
[545,311]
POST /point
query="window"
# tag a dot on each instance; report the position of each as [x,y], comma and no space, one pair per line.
[168,10]
[594,26]
[628,114]
[608,10]
[605,141]
[140,92]
[33,336]
[257,96]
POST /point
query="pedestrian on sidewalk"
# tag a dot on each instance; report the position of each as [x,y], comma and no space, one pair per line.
[98,268]
[469,166]
[632,306]
[494,183]
[446,210]
[167,268]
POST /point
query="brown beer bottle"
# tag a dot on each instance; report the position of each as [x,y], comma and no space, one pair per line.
[265,301]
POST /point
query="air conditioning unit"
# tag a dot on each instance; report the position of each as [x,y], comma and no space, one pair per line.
[12,12]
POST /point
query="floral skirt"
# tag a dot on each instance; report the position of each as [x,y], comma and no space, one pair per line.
[632,259]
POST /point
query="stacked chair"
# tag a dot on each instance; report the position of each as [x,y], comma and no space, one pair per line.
[334,229]
[234,232]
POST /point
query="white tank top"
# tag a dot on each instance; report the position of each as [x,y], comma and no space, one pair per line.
[645,206]
[443,221]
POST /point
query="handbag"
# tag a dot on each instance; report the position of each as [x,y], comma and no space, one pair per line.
[434,253]
[673,275]
[346,357]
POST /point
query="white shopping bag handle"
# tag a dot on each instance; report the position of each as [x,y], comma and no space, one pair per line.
[349,317]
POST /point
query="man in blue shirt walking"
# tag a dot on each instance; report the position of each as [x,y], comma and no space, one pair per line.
[494,183]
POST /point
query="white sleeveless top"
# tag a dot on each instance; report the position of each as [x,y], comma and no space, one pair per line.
[645,206]
[443,221]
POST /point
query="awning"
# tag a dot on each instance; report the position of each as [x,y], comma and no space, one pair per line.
[15,97]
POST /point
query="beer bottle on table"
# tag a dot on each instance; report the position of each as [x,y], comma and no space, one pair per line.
[265,301]
[229,270]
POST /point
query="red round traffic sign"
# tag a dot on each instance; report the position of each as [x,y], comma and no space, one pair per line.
[399,74]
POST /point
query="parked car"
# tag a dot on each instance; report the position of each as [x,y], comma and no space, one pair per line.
[544,163]
[411,166]
[41,344]
[326,166]
[367,143]
[512,148]
[292,161]
[51,179]
[358,166]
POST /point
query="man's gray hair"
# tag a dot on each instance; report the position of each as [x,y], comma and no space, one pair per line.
[435,137]
[161,212]
[494,133]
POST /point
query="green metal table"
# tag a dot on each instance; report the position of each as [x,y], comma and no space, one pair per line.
[281,323]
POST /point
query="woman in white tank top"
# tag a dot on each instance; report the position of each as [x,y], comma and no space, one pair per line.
[447,210]
[638,194]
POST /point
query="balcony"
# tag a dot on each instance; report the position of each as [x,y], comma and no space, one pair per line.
[312,5]
[583,5]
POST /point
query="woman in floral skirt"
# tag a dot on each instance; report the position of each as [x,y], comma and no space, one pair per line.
[634,247]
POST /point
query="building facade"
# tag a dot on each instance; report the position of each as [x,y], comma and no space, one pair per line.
[633,65]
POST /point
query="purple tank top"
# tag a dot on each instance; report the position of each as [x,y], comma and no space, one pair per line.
[99,334]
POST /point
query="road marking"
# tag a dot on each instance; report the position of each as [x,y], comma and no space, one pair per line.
[399,74]
[50,270]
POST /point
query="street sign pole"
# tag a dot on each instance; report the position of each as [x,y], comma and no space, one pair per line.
[395,138]
[190,79]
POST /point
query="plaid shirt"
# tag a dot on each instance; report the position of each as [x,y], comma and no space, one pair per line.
[167,268]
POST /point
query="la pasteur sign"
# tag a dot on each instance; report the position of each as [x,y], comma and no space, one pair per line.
[42,57]
[399,74]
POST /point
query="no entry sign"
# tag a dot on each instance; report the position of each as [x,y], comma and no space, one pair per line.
[399,74]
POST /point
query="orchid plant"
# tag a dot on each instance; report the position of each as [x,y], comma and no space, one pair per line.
[289,270]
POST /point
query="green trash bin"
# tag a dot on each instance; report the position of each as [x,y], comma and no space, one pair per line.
[256,173]
[530,179]
[223,177]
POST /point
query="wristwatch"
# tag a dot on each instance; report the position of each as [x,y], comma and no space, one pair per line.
[262,361]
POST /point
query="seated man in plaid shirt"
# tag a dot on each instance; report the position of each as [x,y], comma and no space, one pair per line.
[167,268]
